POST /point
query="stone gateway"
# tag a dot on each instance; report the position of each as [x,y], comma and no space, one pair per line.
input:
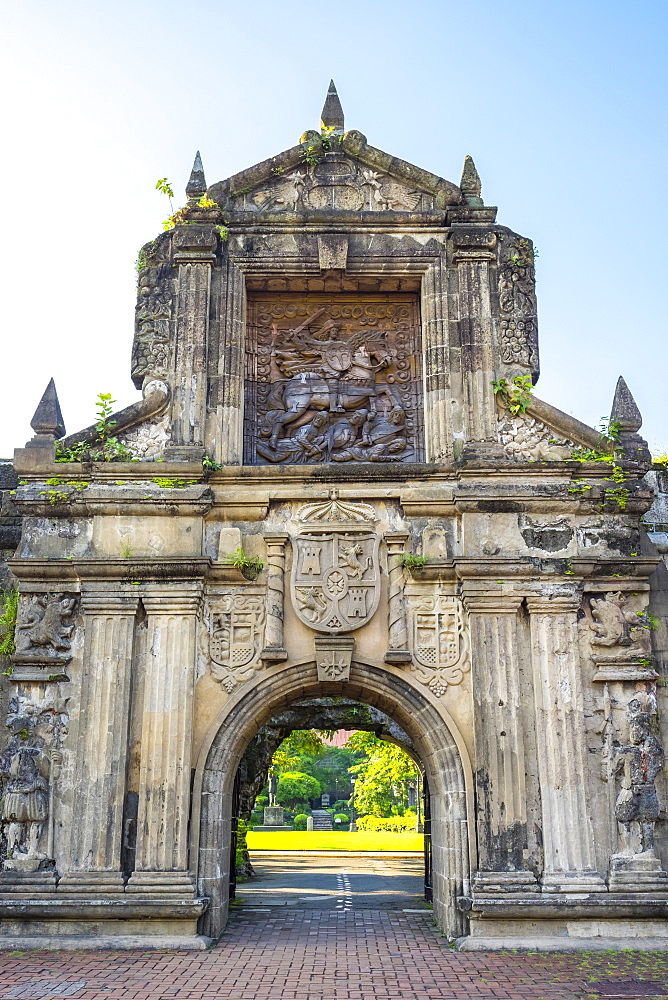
[339,484]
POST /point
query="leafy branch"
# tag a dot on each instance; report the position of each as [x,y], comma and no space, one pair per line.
[250,566]
[106,447]
[517,394]
[8,611]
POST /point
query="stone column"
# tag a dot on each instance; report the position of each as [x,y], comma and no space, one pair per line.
[166,737]
[562,750]
[274,642]
[231,367]
[398,651]
[499,745]
[194,248]
[478,351]
[100,755]
[438,391]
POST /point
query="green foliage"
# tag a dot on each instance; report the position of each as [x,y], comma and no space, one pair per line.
[661,461]
[9,605]
[618,493]
[165,187]
[516,394]
[299,822]
[382,774]
[250,566]
[105,447]
[241,857]
[205,202]
[144,256]
[299,744]
[294,786]
[411,562]
[524,254]
[342,817]
[208,463]
[388,824]
[224,233]
[179,218]
[166,483]
[313,151]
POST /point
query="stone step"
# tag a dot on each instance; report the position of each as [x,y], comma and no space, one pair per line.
[322,820]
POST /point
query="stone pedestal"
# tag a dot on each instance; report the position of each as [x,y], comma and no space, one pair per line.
[274,816]
[568,843]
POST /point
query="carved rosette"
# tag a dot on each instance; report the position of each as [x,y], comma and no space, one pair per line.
[335,581]
[235,637]
[439,641]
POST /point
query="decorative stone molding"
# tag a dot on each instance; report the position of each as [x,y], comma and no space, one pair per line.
[333,655]
[398,651]
[274,650]
[44,637]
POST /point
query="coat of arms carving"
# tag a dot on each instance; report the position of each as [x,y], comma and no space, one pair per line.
[440,642]
[236,635]
[335,573]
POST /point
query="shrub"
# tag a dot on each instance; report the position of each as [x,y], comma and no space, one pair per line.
[294,786]
[299,822]
[343,817]
[261,801]
[389,824]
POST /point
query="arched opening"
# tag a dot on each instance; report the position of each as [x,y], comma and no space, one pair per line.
[437,743]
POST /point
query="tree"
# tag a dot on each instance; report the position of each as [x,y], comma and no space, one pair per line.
[381,775]
[293,787]
[299,744]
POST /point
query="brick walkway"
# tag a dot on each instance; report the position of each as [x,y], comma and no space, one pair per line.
[311,955]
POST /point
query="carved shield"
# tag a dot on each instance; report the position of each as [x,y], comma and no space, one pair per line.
[235,638]
[338,356]
[437,628]
[335,580]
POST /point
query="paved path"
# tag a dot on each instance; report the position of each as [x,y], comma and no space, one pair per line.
[311,946]
[334,882]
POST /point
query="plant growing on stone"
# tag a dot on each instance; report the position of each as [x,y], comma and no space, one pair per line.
[165,187]
[517,394]
[9,605]
[205,202]
[412,562]
[250,566]
[106,447]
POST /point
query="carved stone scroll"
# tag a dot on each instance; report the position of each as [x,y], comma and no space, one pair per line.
[332,378]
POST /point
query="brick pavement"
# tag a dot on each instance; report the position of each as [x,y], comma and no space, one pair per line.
[325,955]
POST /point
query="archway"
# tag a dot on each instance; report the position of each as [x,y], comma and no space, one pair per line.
[436,740]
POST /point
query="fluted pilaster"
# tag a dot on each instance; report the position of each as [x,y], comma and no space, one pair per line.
[100,756]
[166,737]
[562,750]
[274,644]
[438,403]
[499,745]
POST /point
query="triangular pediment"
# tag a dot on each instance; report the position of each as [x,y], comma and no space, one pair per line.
[334,174]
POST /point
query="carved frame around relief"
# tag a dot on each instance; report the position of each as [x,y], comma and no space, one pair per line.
[332,378]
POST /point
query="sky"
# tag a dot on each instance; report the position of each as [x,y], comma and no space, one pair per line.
[561,104]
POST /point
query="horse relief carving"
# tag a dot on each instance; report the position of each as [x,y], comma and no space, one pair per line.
[326,390]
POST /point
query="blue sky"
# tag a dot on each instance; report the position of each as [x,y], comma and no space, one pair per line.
[562,105]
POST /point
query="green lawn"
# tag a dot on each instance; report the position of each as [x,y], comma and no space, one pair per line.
[335,841]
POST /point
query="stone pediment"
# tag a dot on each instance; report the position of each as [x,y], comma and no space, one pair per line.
[339,173]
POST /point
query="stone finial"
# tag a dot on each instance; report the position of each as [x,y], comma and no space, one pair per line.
[625,410]
[470,183]
[626,414]
[331,116]
[196,186]
[48,418]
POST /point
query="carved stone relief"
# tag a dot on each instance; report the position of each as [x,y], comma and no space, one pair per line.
[618,630]
[44,628]
[148,441]
[332,378]
[235,637]
[336,182]
[636,765]
[29,767]
[526,439]
[517,306]
[439,641]
[335,582]
[151,346]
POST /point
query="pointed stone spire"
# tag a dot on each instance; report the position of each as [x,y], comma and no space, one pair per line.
[196,186]
[627,416]
[331,116]
[48,418]
[470,183]
[625,410]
